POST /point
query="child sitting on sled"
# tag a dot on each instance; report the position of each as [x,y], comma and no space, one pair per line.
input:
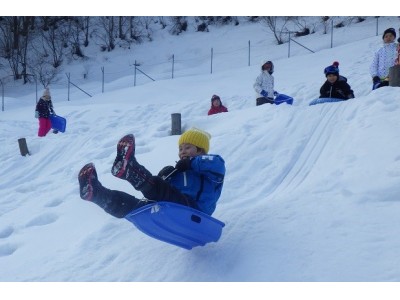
[333,87]
[195,181]
[264,84]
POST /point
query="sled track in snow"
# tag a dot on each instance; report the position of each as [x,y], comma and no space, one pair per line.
[301,164]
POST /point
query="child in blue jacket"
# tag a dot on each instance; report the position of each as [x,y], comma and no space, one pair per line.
[195,181]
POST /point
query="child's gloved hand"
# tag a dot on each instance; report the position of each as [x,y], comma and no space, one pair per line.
[376,79]
[166,171]
[264,93]
[183,165]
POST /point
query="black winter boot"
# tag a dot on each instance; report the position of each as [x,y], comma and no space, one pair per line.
[90,188]
[88,183]
[126,166]
[116,203]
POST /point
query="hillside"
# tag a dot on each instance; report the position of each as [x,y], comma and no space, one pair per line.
[311,192]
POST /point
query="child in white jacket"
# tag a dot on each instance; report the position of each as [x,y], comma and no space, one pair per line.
[264,85]
[384,58]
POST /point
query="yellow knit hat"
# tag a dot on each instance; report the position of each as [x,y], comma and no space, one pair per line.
[196,137]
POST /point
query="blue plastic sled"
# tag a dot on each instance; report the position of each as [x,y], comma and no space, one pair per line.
[281,98]
[58,123]
[176,224]
[325,100]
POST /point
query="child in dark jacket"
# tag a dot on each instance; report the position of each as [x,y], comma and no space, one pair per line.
[336,64]
[333,87]
[216,106]
[44,108]
[195,181]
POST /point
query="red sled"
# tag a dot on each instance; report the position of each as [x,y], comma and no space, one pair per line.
[58,123]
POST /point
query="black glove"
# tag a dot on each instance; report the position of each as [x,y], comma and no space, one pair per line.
[183,165]
[166,171]
[376,79]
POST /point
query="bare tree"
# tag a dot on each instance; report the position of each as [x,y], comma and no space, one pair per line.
[24,45]
[277,25]
[219,20]
[41,62]
[131,28]
[106,33]
[325,24]
[121,32]
[304,25]
[140,28]
[54,42]
[14,43]
[85,25]
[6,37]
[145,26]
[163,22]
[179,24]
[79,35]
[42,69]
[135,28]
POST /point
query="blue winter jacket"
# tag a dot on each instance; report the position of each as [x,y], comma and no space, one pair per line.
[203,182]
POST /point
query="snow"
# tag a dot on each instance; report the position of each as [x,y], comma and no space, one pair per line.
[310,194]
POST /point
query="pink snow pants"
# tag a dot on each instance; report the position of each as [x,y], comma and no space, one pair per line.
[44,126]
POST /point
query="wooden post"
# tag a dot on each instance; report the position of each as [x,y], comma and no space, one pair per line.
[394,75]
[176,124]
[23,147]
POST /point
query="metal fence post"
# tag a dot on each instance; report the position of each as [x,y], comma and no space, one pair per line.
[212,55]
[102,79]
[173,64]
[2,95]
[36,86]
[69,83]
[249,53]
[134,76]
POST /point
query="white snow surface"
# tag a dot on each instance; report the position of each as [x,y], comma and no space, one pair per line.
[311,193]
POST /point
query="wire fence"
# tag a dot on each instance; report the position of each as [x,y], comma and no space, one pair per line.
[139,73]
[174,67]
